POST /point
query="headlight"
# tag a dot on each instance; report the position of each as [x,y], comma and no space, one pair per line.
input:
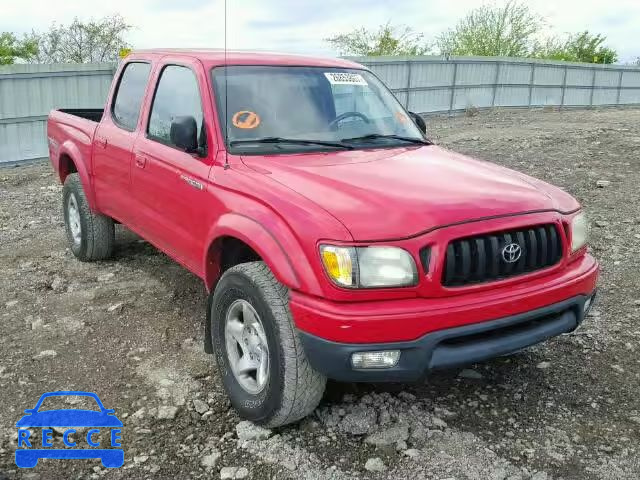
[369,267]
[579,232]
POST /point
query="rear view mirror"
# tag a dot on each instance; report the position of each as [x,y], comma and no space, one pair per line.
[184,133]
[419,121]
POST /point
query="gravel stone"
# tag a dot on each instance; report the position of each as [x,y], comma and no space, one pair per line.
[359,422]
[200,406]
[540,476]
[209,461]
[57,284]
[411,453]
[37,323]
[105,277]
[438,422]
[167,412]
[233,473]
[389,436]
[249,431]
[45,353]
[375,465]
[117,307]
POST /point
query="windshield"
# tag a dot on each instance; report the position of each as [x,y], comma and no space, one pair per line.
[274,109]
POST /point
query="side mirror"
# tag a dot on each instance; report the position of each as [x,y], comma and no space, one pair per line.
[184,133]
[419,121]
[30,410]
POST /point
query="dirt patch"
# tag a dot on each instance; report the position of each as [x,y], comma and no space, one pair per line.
[131,330]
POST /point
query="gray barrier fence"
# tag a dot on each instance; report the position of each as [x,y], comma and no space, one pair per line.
[422,84]
[29,92]
[437,85]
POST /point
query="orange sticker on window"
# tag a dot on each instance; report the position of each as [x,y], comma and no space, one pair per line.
[245,119]
[401,117]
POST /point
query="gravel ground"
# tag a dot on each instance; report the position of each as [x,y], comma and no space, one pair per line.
[131,330]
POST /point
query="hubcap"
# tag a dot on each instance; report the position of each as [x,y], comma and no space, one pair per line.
[73,216]
[247,348]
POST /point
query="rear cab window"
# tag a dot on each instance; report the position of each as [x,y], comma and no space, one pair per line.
[130,95]
[177,94]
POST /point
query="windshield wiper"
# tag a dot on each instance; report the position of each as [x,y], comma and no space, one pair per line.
[374,136]
[293,141]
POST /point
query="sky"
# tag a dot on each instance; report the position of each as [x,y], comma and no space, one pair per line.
[301,26]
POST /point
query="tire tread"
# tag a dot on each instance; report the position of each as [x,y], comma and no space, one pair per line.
[99,234]
[303,386]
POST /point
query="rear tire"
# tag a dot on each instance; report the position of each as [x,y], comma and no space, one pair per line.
[292,388]
[91,236]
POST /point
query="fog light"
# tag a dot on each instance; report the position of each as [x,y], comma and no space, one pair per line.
[379,359]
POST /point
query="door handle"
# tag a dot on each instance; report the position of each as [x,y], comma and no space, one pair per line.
[141,161]
[101,142]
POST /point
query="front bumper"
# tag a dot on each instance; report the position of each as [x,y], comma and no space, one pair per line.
[408,319]
[450,347]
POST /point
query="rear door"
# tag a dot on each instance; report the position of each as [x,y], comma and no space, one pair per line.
[170,185]
[114,139]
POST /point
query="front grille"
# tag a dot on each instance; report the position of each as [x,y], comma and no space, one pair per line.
[483,258]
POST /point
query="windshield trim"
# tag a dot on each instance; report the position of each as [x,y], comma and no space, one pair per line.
[299,149]
[273,149]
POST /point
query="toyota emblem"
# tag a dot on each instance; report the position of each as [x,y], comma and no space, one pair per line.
[511,252]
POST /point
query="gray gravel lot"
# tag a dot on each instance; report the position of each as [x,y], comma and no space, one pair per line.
[131,330]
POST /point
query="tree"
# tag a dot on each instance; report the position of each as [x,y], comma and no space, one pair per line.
[387,40]
[493,31]
[581,47]
[83,42]
[11,48]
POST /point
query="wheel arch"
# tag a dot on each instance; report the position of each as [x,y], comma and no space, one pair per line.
[234,230]
[70,161]
[258,238]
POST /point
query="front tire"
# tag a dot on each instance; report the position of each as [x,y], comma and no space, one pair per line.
[91,236]
[250,318]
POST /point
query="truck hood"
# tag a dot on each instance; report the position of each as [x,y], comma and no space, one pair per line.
[396,193]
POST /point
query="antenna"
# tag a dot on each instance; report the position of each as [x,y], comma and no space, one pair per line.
[226,94]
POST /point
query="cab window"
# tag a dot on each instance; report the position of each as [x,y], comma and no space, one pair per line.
[130,93]
[177,95]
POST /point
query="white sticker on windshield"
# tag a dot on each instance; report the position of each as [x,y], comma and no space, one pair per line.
[345,78]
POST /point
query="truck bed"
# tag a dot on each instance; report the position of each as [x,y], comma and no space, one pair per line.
[72,129]
[93,114]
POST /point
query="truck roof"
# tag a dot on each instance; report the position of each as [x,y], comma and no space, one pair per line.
[216,56]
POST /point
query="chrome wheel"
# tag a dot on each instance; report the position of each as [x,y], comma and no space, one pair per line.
[247,348]
[73,217]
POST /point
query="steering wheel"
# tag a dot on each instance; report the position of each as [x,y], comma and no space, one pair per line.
[344,115]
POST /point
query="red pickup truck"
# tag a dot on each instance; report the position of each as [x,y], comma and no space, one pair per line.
[335,239]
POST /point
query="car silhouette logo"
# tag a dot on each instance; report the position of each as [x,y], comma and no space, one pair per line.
[69,419]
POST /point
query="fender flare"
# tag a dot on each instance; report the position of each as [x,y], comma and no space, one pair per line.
[72,151]
[260,239]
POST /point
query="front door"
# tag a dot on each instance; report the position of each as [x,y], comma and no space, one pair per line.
[170,185]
